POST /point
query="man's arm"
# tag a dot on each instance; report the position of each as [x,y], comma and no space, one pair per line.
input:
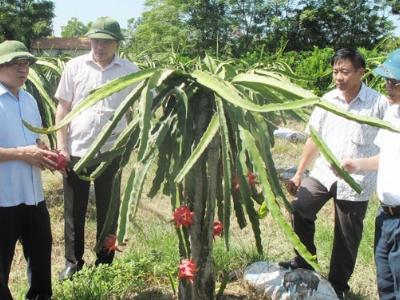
[310,151]
[32,155]
[63,108]
[361,164]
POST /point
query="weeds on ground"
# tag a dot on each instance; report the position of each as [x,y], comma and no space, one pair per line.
[108,281]
[151,258]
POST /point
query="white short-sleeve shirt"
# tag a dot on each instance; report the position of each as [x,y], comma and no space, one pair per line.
[80,76]
[389,159]
[348,139]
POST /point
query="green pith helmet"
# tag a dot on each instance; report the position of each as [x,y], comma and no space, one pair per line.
[390,67]
[14,50]
[105,28]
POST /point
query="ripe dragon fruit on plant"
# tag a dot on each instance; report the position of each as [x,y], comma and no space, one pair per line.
[218,228]
[187,270]
[183,216]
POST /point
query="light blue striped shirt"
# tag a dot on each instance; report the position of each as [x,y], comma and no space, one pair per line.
[20,182]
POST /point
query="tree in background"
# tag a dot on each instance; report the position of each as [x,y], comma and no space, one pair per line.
[160,29]
[235,27]
[25,20]
[74,28]
[216,26]
[247,21]
[337,24]
[189,26]
[395,5]
[210,23]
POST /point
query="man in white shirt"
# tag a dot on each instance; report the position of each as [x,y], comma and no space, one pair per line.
[387,223]
[81,75]
[346,139]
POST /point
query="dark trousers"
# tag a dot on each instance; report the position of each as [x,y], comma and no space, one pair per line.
[76,196]
[349,216]
[387,255]
[31,225]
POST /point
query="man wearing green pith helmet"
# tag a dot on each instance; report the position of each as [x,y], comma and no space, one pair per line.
[80,76]
[23,212]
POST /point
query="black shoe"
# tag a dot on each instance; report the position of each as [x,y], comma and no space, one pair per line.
[69,270]
[295,263]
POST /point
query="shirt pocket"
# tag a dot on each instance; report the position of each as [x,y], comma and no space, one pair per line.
[363,136]
[83,85]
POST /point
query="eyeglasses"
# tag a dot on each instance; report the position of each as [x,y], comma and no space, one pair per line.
[18,65]
[392,82]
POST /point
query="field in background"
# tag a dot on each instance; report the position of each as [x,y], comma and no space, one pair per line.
[148,264]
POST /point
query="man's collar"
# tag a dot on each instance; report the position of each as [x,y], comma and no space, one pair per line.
[4,90]
[362,94]
[89,58]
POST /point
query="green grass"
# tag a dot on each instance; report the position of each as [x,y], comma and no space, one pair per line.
[147,267]
[363,284]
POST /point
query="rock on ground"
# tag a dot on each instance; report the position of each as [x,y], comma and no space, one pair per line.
[270,281]
[290,135]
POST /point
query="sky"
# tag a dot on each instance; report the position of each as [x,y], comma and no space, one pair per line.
[121,10]
[89,10]
[396,21]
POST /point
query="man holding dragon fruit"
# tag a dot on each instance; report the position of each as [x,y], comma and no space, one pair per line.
[23,212]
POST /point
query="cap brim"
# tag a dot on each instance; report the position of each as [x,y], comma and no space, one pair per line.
[17,56]
[387,72]
[101,35]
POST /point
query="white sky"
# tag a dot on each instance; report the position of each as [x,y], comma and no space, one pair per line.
[89,10]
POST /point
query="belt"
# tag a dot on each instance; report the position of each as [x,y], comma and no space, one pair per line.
[391,210]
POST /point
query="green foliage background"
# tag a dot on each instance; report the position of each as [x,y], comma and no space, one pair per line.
[25,20]
[236,28]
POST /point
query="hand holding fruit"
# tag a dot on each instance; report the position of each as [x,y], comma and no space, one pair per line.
[59,160]
[36,156]
[293,184]
[52,160]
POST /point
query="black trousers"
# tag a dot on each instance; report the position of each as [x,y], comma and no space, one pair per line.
[349,216]
[30,224]
[76,196]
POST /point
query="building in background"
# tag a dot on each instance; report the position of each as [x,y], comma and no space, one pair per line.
[55,46]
